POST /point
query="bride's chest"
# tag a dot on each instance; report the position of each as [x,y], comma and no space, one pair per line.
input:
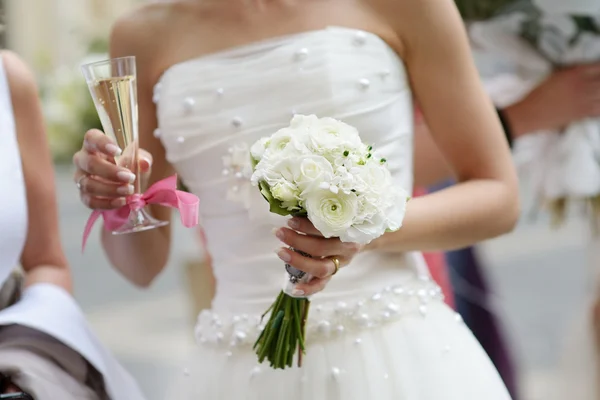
[211,109]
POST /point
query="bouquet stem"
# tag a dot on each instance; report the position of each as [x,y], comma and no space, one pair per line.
[284,332]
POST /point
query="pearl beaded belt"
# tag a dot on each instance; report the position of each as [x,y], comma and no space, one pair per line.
[325,320]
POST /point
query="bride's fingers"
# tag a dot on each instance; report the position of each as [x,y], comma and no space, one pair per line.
[99,203]
[94,165]
[303,225]
[314,286]
[313,245]
[317,267]
[102,188]
[96,141]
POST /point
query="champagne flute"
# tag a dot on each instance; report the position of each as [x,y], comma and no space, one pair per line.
[113,87]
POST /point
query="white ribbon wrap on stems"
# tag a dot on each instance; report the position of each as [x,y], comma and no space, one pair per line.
[289,287]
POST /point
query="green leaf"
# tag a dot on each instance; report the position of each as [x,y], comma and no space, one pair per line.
[274,204]
[254,162]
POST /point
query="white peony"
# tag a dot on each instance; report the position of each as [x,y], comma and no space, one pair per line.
[332,214]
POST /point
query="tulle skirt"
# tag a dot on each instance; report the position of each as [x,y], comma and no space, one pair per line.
[418,356]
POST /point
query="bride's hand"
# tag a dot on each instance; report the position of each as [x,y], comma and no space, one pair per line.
[101,182]
[303,236]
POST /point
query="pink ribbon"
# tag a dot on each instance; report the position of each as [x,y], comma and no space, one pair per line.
[163,192]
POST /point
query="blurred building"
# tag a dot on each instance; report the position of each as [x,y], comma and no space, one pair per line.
[50,34]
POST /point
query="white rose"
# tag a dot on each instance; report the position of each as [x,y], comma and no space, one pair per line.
[374,177]
[377,223]
[332,214]
[258,148]
[279,140]
[287,193]
[394,213]
[365,232]
[312,171]
[331,138]
[303,121]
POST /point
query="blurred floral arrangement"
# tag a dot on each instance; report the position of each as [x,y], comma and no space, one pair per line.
[68,107]
[477,10]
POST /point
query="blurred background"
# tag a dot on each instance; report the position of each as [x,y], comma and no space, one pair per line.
[539,278]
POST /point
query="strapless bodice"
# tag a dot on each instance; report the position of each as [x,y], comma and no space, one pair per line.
[211,109]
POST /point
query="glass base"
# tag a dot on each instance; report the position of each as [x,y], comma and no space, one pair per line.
[139,221]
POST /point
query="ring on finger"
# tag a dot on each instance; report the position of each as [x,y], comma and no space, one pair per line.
[336,264]
[79,181]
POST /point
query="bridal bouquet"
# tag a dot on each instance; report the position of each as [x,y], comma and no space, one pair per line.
[319,169]
[537,37]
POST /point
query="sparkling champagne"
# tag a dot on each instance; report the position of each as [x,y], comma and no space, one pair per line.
[113,87]
[116,103]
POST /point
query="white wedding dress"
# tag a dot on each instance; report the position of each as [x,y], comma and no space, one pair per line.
[380,330]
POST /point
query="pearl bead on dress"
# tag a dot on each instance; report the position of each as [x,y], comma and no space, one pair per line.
[188,104]
[360,38]
[301,54]
[335,373]
[364,83]
[255,371]
[339,318]
[236,122]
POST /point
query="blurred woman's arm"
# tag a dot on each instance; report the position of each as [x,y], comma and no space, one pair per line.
[43,259]
[564,97]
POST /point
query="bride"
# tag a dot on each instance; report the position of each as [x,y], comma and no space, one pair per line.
[214,76]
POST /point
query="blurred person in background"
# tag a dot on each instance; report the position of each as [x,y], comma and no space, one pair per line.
[562,98]
[262,62]
[47,350]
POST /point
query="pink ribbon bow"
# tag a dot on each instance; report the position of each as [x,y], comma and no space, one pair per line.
[163,192]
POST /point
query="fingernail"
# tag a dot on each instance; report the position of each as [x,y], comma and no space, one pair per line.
[126,176]
[284,255]
[113,149]
[292,223]
[89,145]
[297,292]
[279,233]
[144,163]
[125,190]
[118,202]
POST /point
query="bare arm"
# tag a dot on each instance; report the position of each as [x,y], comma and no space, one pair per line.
[430,166]
[466,129]
[43,258]
[142,256]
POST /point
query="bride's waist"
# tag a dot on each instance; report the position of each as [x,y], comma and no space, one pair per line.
[249,285]
[328,316]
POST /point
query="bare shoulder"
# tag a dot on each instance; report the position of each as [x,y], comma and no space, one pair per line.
[137,30]
[419,22]
[21,80]
[152,32]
